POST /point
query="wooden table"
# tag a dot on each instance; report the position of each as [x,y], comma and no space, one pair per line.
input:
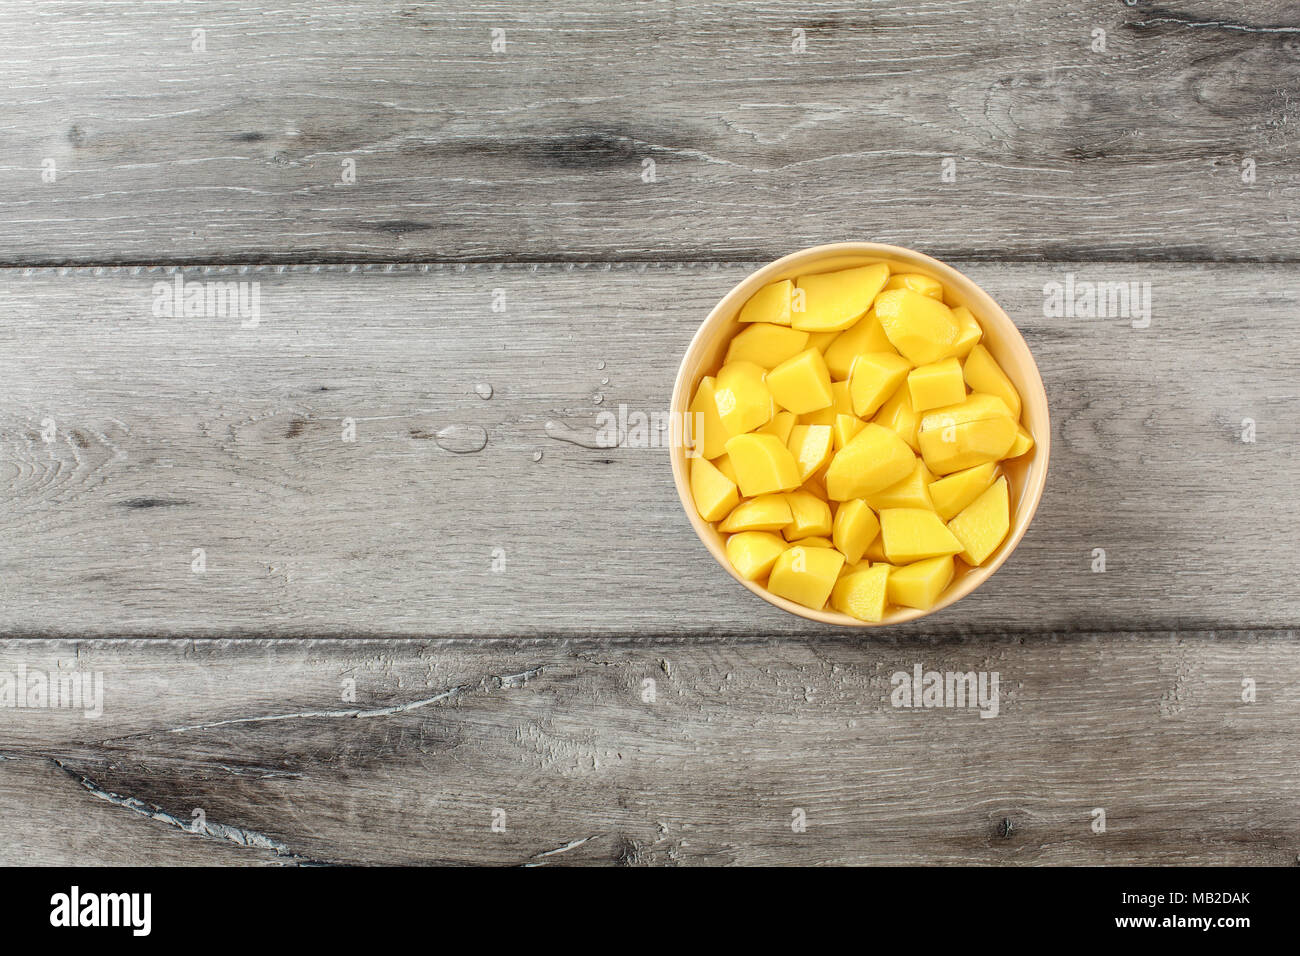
[329,630]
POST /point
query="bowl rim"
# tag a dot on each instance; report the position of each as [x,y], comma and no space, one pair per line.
[1009,336]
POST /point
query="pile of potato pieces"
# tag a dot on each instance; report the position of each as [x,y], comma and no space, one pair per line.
[849,444]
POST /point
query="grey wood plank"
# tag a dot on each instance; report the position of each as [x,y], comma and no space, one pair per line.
[176,434]
[236,153]
[561,738]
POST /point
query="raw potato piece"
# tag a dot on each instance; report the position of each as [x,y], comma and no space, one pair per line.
[936,385]
[1023,443]
[865,336]
[917,283]
[845,427]
[801,384]
[835,300]
[977,430]
[912,492]
[769,304]
[861,594]
[764,513]
[724,465]
[855,527]
[913,534]
[898,416]
[762,464]
[973,408]
[809,516]
[919,584]
[780,426]
[812,447]
[714,493]
[766,345]
[970,332]
[806,575]
[950,495]
[841,404]
[983,374]
[705,430]
[921,328]
[752,553]
[966,445]
[875,459]
[874,377]
[853,569]
[743,401]
[983,523]
[821,340]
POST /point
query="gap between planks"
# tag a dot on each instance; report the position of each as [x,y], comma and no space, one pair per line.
[715,638]
[289,264]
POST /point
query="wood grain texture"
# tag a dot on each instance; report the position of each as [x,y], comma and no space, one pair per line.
[171,434]
[498,615]
[561,738]
[236,153]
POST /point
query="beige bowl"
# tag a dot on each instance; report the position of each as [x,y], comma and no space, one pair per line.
[1025,475]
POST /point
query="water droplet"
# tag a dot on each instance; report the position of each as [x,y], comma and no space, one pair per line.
[604,381]
[537,456]
[597,398]
[461,439]
[587,438]
[600,365]
[483,390]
